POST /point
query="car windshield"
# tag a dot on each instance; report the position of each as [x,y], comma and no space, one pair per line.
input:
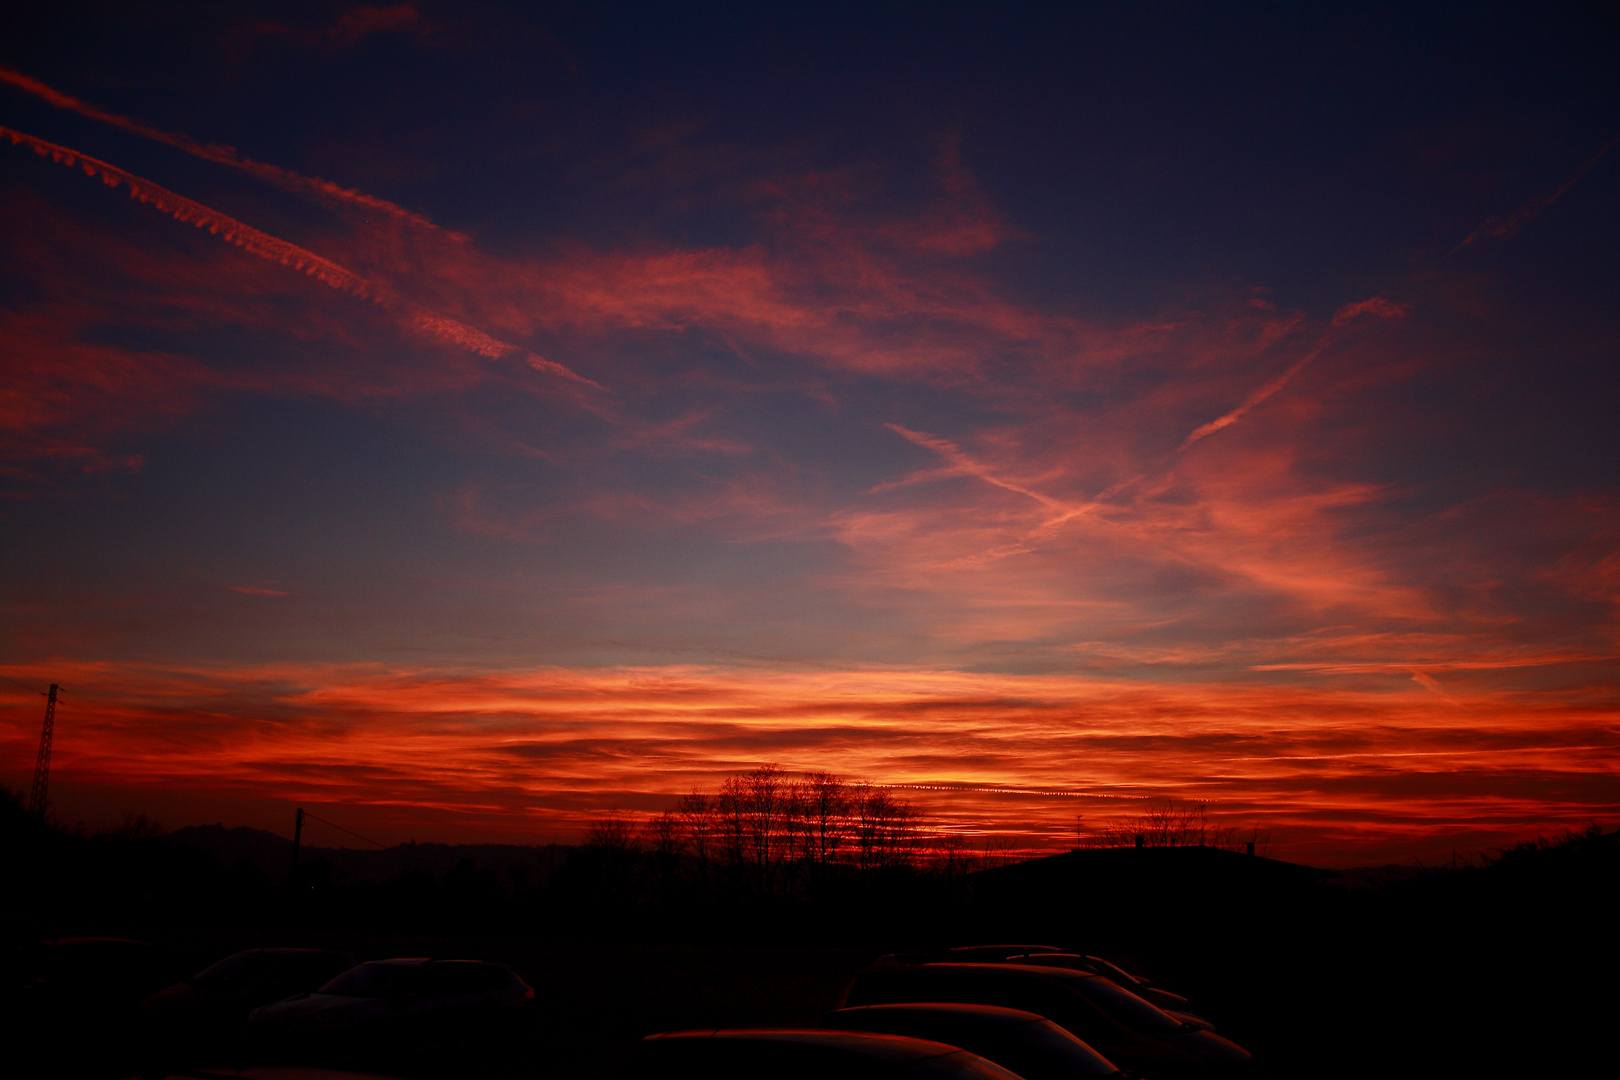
[1114,971]
[1126,1007]
[454,978]
[239,968]
[373,981]
[1041,1049]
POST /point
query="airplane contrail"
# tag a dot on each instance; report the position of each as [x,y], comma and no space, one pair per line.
[1375,306]
[1432,685]
[280,251]
[1502,228]
[965,464]
[324,190]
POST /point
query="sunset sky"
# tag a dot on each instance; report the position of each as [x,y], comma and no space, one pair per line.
[464,419]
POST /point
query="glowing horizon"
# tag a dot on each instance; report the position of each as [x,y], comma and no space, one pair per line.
[519,756]
[535,468]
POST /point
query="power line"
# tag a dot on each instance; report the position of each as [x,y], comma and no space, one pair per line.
[351,832]
[25,686]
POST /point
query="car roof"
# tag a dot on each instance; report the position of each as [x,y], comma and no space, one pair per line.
[882,1047]
[1057,955]
[422,961]
[993,1014]
[270,1072]
[1026,970]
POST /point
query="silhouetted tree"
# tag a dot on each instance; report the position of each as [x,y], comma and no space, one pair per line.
[823,804]
[885,829]
[952,857]
[767,819]
[731,814]
[605,866]
[698,818]
[664,845]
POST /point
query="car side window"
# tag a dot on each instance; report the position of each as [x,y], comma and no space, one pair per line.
[316,969]
[454,980]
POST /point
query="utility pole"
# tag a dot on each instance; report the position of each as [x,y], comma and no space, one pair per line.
[42,764]
[298,835]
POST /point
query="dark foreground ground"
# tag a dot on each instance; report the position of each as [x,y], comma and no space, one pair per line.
[1508,970]
[594,1002]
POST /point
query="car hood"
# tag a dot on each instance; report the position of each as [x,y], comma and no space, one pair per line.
[179,996]
[322,1007]
[1217,1051]
[1190,1018]
[188,995]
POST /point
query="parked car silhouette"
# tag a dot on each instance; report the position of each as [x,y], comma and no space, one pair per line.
[990,954]
[792,1054]
[264,1072]
[1137,985]
[408,997]
[1174,1004]
[227,991]
[1115,1022]
[1022,1042]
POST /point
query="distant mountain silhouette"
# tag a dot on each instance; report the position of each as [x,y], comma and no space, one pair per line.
[1136,886]
[265,850]
[1152,863]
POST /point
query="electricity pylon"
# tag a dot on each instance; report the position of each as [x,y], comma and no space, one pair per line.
[42,764]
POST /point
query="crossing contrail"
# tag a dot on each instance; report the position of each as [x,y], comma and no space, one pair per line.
[1375,306]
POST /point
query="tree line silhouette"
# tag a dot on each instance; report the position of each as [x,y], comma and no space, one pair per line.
[1173,825]
[774,832]
[768,841]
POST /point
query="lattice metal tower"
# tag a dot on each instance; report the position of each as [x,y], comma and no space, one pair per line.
[42,765]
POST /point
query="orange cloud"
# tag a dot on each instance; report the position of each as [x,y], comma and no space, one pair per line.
[531,753]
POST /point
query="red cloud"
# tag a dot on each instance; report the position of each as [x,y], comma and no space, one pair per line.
[530,753]
[369,19]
